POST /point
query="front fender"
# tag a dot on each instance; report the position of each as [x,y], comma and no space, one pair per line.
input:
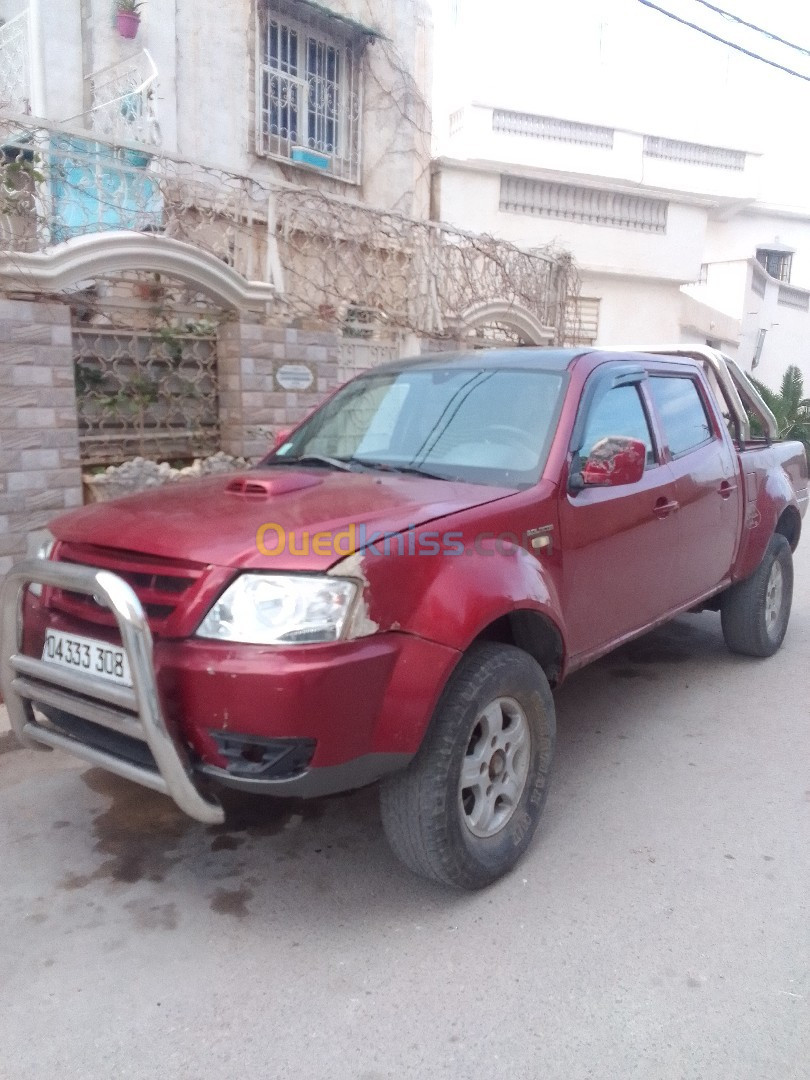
[450,598]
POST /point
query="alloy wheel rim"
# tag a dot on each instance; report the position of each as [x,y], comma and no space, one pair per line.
[495,767]
[774,592]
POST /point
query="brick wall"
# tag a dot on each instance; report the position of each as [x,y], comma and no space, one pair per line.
[39,443]
[269,378]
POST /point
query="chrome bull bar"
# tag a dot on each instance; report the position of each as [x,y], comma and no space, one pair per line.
[134,711]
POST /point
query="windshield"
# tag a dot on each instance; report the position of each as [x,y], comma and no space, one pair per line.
[478,426]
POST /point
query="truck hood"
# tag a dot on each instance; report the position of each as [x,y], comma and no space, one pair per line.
[216,521]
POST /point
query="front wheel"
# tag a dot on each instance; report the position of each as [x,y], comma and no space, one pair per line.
[755,612]
[466,808]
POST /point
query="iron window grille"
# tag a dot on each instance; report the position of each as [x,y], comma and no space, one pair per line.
[309,93]
[777,263]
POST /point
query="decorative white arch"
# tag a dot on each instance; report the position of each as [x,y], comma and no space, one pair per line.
[528,326]
[86,257]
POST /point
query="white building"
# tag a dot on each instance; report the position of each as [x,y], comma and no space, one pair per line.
[666,163]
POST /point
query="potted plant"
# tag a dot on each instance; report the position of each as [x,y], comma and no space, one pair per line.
[128,17]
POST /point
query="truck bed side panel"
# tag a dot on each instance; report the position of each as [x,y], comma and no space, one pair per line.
[774,479]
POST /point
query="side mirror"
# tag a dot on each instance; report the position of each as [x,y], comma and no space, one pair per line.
[613,461]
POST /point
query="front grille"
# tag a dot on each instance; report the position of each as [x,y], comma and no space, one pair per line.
[101,738]
[160,584]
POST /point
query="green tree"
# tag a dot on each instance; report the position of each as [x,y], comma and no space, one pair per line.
[790,407]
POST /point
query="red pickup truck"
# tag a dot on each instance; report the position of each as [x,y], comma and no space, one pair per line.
[391,594]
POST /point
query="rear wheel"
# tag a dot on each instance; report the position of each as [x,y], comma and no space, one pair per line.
[755,612]
[466,808]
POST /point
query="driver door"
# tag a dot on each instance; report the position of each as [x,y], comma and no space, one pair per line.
[619,543]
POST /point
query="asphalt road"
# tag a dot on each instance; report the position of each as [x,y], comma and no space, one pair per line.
[657,929]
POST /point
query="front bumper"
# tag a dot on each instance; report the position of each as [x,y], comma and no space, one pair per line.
[135,713]
[361,706]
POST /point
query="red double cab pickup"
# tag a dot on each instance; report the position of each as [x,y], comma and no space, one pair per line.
[393,592]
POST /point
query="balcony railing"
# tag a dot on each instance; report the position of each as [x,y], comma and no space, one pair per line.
[15,65]
[551,127]
[591,206]
[122,101]
[712,157]
[69,183]
[789,296]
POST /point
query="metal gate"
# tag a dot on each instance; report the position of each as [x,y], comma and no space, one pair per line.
[145,368]
[147,393]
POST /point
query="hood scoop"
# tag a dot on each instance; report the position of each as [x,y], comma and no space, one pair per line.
[254,487]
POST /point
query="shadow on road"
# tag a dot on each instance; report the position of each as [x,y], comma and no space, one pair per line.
[284,852]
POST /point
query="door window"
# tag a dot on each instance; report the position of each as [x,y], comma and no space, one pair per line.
[620,412]
[683,415]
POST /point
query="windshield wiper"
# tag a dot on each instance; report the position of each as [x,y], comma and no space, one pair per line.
[314,459]
[384,466]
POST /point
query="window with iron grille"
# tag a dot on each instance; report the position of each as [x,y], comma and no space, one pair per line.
[309,92]
[777,263]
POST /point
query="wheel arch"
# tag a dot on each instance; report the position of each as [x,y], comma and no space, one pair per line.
[534,633]
[789,525]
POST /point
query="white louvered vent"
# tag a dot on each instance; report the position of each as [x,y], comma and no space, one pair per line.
[551,127]
[712,157]
[587,205]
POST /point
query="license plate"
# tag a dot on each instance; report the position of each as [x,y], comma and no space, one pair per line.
[79,653]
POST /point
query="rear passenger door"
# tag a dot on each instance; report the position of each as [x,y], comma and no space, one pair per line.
[618,543]
[707,490]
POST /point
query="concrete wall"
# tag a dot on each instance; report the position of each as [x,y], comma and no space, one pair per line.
[470,198]
[787,328]
[701,324]
[787,335]
[39,442]
[724,287]
[634,311]
[740,237]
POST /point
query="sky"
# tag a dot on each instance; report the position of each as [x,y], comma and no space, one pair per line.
[619,63]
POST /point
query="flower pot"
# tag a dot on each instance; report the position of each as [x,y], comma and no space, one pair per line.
[127,23]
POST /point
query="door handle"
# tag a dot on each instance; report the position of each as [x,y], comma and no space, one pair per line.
[726,489]
[664,507]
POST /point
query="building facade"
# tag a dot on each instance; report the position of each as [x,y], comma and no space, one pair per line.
[213,214]
[668,164]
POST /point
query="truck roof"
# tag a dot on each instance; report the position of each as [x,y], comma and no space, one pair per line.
[521,356]
[524,357]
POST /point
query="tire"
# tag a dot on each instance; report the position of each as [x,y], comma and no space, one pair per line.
[495,720]
[755,612]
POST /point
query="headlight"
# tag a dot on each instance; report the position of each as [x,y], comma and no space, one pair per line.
[275,609]
[44,551]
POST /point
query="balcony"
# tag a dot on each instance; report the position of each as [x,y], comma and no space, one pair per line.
[553,146]
[69,183]
[122,101]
